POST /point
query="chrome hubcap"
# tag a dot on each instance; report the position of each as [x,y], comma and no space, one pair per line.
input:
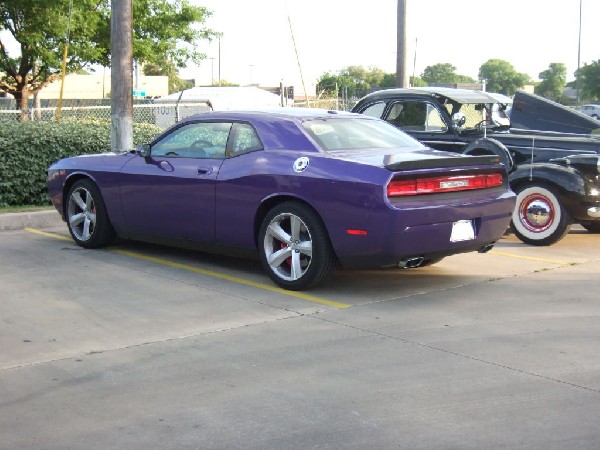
[536,213]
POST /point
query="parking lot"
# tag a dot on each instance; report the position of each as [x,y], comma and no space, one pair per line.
[140,346]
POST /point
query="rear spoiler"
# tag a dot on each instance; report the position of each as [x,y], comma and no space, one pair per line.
[458,161]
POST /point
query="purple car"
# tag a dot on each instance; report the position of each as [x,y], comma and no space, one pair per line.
[304,189]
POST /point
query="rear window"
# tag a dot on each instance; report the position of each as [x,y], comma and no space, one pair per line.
[356,133]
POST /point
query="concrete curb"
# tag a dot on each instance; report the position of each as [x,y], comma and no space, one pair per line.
[34,219]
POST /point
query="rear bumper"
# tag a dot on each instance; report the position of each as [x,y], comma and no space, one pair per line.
[424,232]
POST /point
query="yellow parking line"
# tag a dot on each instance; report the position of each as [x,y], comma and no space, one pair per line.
[210,273]
[531,258]
[52,235]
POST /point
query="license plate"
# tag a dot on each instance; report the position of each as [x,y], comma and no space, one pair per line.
[462,231]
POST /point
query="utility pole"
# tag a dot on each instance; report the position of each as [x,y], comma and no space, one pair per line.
[401,69]
[579,54]
[121,71]
[219,61]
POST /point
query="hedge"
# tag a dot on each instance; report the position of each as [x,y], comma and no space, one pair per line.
[28,148]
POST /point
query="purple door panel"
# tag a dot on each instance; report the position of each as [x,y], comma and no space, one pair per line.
[170,197]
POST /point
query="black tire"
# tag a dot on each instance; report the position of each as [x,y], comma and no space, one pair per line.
[489,146]
[294,247]
[539,218]
[592,227]
[86,215]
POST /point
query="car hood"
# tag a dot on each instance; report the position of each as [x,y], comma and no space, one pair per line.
[412,159]
[533,112]
[565,142]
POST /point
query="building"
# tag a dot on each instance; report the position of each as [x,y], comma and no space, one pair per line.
[98,87]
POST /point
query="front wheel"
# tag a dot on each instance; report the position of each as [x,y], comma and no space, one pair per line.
[294,247]
[539,218]
[87,217]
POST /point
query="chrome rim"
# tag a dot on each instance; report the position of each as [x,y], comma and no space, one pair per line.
[288,246]
[81,213]
[536,213]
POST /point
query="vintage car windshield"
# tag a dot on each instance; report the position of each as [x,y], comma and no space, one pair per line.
[479,115]
[357,133]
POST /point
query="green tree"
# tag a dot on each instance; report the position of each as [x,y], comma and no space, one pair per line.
[328,82]
[500,76]
[589,79]
[354,80]
[554,80]
[444,73]
[165,31]
[417,82]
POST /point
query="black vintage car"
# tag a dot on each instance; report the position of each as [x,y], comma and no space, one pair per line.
[556,175]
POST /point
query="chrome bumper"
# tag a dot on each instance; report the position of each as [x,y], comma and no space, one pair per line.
[594,212]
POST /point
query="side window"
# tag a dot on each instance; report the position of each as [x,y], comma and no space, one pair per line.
[244,140]
[435,122]
[416,116]
[195,140]
[374,110]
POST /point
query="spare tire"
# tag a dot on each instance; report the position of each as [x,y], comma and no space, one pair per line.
[489,146]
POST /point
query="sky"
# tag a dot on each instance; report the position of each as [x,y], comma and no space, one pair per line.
[329,35]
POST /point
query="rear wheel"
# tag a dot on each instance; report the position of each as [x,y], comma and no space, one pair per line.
[87,217]
[294,247]
[539,218]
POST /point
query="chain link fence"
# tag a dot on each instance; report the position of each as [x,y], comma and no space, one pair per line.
[154,111]
[160,113]
[332,104]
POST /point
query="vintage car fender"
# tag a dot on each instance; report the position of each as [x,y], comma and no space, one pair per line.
[566,182]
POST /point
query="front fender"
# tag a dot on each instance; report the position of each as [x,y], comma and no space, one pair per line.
[566,180]
[574,189]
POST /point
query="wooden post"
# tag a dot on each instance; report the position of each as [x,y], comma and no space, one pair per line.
[121,71]
[401,70]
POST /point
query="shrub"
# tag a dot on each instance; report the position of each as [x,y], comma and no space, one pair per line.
[28,148]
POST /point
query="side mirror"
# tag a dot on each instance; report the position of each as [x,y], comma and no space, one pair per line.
[144,150]
[459,120]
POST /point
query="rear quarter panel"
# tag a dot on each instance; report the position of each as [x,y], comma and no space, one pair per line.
[341,192]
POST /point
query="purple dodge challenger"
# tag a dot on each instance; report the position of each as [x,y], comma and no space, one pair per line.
[304,189]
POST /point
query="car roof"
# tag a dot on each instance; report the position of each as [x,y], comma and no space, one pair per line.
[456,95]
[282,113]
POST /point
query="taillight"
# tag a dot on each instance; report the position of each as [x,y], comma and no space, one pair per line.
[436,185]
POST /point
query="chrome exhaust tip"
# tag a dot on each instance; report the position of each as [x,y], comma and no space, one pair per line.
[411,263]
[486,248]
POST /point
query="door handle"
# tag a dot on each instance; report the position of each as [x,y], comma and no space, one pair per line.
[204,170]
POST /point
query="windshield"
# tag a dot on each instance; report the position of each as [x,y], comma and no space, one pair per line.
[352,133]
[480,115]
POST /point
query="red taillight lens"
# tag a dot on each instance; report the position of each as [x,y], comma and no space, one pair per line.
[436,185]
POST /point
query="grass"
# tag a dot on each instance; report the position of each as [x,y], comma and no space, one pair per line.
[17,209]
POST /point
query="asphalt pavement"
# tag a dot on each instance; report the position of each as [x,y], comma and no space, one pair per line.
[144,347]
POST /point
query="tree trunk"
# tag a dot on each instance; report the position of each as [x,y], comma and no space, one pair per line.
[22,103]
